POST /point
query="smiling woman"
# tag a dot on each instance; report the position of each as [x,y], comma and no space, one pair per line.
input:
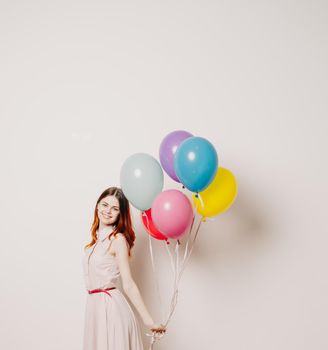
[109,209]
[110,322]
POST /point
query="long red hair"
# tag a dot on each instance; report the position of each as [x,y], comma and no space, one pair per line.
[123,223]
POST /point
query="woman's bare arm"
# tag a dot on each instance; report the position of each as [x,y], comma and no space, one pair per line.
[129,286]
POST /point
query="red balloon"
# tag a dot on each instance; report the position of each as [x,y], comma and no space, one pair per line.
[149,225]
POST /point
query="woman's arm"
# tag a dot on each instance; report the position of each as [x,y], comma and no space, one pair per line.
[129,286]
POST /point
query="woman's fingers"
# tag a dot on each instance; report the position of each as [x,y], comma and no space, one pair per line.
[159,330]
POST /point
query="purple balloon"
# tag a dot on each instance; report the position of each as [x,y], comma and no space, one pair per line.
[167,150]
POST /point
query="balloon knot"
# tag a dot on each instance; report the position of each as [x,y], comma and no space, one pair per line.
[196,195]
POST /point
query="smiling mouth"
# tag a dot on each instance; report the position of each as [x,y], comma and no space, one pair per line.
[106,216]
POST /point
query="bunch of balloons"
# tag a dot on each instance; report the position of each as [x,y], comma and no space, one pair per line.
[193,162]
[189,160]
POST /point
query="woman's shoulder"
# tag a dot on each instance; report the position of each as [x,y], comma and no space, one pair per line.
[120,238]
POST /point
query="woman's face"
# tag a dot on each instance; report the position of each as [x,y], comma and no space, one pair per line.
[108,210]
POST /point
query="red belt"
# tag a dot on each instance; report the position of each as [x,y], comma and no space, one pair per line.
[98,290]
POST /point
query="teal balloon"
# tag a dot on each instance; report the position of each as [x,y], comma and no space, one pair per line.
[141,179]
[196,163]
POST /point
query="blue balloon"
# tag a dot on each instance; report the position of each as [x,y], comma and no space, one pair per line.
[196,163]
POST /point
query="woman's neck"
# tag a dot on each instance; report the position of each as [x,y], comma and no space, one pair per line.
[103,226]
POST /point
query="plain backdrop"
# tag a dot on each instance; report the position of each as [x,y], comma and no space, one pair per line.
[85,84]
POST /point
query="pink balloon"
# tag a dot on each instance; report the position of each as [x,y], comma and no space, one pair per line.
[172,213]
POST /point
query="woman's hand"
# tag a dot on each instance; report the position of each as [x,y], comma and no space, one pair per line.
[158,328]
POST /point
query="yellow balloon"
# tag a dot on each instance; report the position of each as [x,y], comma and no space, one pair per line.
[218,196]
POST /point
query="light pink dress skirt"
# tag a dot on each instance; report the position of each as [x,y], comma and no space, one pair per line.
[110,323]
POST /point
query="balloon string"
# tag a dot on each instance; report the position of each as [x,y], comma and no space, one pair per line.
[156,280]
[177,271]
[186,249]
[153,266]
[155,336]
[174,269]
[190,230]
[174,295]
[189,235]
[175,287]
[171,259]
[176,266]
[184,263]
[177,252]
[201,200]
[177,274]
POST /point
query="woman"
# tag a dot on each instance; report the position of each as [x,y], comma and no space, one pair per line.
[110,323]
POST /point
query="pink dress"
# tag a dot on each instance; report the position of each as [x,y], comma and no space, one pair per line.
[110,323]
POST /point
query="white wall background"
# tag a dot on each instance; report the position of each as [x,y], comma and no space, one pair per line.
[85,84]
